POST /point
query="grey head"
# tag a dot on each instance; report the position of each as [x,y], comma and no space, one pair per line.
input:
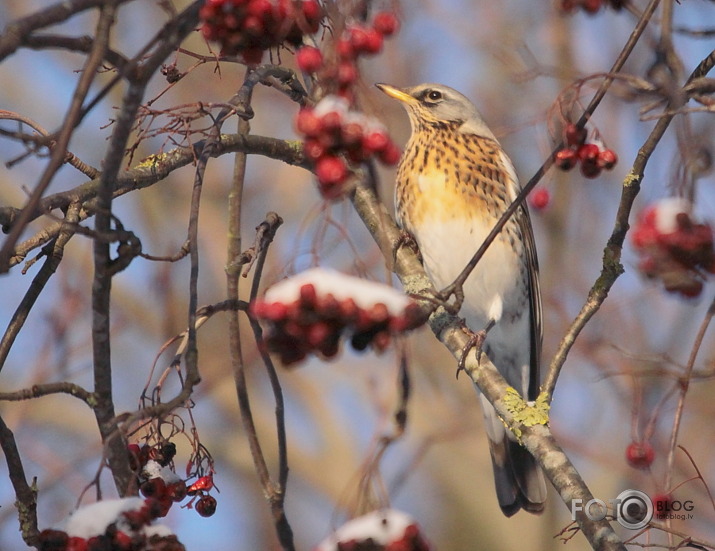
[432,103]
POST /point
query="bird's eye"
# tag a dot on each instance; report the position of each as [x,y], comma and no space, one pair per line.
[434,95]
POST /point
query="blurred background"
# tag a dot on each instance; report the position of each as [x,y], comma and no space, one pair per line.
[513,58]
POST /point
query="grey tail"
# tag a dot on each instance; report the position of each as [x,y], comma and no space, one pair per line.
[518,478]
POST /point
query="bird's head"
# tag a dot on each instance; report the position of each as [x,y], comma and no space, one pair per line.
[434,104]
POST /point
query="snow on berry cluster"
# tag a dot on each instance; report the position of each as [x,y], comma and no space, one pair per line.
[590,6]
[591,157]
[159,482]
[673,247]
[248,27]
[112,525]
[356,40]
[383,530]
[335,137]
[310,313]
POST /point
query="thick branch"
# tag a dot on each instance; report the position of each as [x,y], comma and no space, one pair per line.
[26,495]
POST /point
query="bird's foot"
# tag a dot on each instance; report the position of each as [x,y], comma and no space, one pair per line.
[476,342]
[406,239]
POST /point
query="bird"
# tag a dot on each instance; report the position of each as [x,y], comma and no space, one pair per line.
[454,181]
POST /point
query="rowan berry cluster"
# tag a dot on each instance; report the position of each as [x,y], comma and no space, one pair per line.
[356,40]
[336,137]
[589,6]
[387,530]
[158,481]
[311,312]
[115,525]
[249,27]
[673,247]
[590,156]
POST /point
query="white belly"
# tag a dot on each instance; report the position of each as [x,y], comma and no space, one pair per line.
[448,245]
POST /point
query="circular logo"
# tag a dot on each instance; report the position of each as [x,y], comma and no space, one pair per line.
[634,509]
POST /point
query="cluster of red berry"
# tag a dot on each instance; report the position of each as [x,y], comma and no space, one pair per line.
[592,158]
[590,6]
[248,27]
[127,533]
[305,317]
[673,248]
[640,455]
[386,530]
[158,481]
[355,41]
[335,136]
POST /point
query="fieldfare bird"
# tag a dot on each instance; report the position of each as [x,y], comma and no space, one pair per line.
[454,181]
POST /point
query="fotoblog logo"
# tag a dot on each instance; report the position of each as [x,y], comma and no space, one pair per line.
[633,509]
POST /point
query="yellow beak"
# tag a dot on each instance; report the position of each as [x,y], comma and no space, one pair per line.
[396,93]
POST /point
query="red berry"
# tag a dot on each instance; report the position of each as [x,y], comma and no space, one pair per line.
[575,136]
[121,541]
[386,23]
[374,41]
[308,123]
[53,540]
[607,159]
[318,333]
[640,455]
[345,49]
[565,159]
[313,13]
[375,141]
[661,504]
[76,544]
[390,155]
[275,311]
[332,121]
[588,152]
[568,6]
[313,149]
[358,38]
[590,169]
[259,8]
[309,59]
[331,170]
[351,133]
[154,487]
[204,483]
[308,295]
[177,491]
[539,198]
[347,73]
[253,25]
[252,56]
[206,506]
[591,6]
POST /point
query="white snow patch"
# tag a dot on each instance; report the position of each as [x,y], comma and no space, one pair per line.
[342,286]
[153,469]
[666,212]
[331,103]
[383,526]
[157,530]
[93,519]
